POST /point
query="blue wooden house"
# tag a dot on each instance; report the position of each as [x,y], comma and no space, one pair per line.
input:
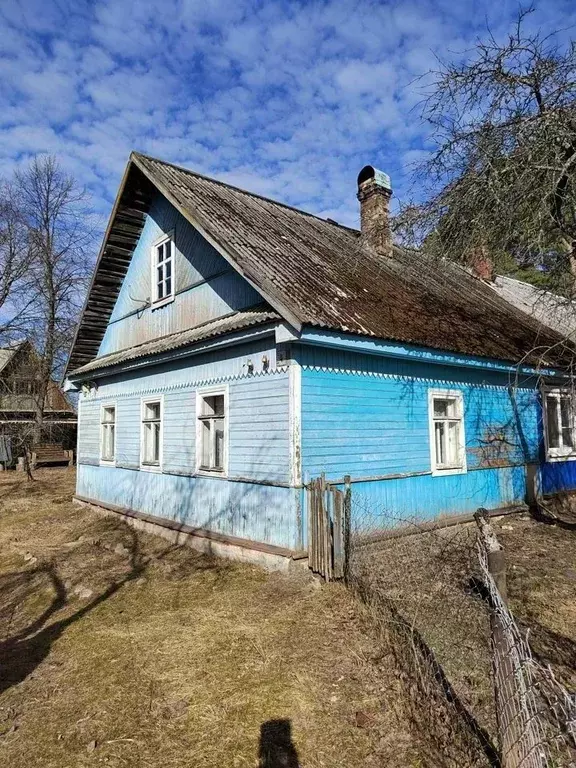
[232,348]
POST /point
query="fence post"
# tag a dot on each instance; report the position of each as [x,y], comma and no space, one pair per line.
[494,553]
[346,524]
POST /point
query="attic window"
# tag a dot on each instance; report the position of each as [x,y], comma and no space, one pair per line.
[163,271]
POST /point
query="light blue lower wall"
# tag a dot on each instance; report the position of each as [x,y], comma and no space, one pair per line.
[367,416]
[255,501]
[247,510]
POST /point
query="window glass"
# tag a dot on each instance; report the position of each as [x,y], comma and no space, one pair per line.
[446,425]
[108,433]
[212,432]
[164,269]
[560,423]
[151,433]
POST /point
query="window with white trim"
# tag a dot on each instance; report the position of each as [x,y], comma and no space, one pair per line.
[151,433]
[446,417]
[211,412]
[108,433]
[560,423]
[163,271]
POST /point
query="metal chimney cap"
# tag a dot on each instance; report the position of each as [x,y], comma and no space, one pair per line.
[369,173]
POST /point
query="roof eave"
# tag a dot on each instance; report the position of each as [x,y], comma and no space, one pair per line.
[195,348]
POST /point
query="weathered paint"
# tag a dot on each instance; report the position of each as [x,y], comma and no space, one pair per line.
[259,445]
[261,513]
[206,287]
[367,416]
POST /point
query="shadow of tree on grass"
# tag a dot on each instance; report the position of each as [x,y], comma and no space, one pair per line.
[22,650]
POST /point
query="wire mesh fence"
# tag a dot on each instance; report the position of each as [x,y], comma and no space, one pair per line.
[469,685]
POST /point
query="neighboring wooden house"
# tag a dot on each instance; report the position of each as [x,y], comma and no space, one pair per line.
[19,398]
[233,348]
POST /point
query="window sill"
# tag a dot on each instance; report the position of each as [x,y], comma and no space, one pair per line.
[566,457]
[150,468]
[107,463]
[201,472]
[162,303]
[449,471]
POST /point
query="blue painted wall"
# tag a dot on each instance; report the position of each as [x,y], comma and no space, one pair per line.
[246,510]
[206,286]
[367,416]
[259,448]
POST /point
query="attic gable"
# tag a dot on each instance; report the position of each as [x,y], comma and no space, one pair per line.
[206,287]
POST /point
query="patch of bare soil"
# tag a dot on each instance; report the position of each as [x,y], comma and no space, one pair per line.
[119,649]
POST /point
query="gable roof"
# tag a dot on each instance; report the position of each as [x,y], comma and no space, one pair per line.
[556,312]
[312,272]
[7,354]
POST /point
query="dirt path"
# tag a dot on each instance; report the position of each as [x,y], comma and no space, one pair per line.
[118,649]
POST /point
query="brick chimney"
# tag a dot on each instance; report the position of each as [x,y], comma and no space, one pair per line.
[482,265]
[374,193]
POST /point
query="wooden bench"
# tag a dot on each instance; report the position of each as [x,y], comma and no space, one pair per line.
[50,453]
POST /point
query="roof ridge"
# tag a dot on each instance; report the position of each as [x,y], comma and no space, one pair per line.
[245,191]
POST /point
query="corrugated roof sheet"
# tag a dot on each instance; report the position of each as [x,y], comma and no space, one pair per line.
[556,312]
[315,272]
[228,324]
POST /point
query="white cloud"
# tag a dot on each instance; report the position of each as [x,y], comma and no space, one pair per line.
[287,99]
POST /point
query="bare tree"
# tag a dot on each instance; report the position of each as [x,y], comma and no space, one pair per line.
[14,257]
[502,177]
[60,232]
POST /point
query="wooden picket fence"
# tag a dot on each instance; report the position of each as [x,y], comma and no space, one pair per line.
[328,528]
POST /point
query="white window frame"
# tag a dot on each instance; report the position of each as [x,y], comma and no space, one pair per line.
[200,395]
[143,402]
[103,407]
[458,396]
[155,301]
[558,453]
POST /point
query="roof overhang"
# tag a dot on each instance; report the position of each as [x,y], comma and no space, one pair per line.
[219,342]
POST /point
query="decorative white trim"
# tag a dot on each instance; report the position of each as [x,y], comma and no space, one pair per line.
[457,395]
[156,303]
[144,401]
[558,454]
[200,394]
[103,406]
[295,421]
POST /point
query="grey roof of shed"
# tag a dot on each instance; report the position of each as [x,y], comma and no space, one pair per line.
[314,272]
[556,312]
[223,325]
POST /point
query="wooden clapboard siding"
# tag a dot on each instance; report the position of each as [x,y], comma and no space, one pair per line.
[259,435]
[368,417]
[261,513]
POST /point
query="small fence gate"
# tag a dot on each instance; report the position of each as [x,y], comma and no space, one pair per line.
[328,528]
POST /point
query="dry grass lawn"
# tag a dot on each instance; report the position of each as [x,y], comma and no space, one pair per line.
[119,649]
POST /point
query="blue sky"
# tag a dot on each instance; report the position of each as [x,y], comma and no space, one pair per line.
[288,99]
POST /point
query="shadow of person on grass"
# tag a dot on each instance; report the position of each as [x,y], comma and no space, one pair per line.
[276,749]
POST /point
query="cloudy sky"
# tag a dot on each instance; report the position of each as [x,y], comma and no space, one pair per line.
[289,99]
